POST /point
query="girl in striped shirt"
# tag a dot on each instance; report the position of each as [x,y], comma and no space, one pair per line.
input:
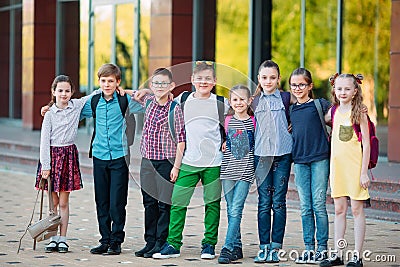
[237,169]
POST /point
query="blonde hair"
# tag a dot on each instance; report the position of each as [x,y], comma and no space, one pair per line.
[357,101]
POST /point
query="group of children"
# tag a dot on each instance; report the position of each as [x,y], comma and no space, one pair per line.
[225,144]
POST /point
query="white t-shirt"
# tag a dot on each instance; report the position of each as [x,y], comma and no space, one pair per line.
[203,138]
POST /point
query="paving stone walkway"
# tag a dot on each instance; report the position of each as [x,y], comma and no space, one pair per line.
[17,198]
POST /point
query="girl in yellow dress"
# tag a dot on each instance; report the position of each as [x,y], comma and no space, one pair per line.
[349,163]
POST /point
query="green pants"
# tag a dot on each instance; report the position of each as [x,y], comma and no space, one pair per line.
[184,187]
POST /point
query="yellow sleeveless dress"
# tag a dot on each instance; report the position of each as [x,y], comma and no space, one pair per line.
[346,159]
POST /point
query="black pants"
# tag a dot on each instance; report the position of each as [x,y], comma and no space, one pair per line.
[156,191]
[111,193]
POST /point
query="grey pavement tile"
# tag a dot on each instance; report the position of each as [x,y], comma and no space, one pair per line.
[17,199]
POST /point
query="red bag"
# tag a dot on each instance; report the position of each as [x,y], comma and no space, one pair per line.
[373,139]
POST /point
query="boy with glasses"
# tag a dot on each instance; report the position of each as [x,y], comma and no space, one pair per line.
[162,152]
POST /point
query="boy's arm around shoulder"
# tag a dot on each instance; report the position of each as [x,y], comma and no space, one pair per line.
[140,94]
[86,111]
[136,106]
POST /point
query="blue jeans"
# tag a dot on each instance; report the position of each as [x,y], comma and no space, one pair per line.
[235,196]
[312,181]
[272,176]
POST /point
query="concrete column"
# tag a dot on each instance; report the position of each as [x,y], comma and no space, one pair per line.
[38,58]
[39,53]
[171,36]
[394,85]
[4,64]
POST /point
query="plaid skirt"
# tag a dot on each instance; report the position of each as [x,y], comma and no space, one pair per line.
[65,173]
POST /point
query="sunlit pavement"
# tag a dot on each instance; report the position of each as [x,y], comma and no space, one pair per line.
[17,199]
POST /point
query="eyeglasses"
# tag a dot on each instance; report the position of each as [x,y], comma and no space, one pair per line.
[160,84]
[301,86]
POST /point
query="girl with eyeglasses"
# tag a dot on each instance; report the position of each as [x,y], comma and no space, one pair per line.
[311,164]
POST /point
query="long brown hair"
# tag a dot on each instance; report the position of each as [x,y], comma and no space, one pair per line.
[60,79]
[357,101]
[266,64]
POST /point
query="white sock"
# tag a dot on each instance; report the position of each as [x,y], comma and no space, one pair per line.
[55,239]
[62,239]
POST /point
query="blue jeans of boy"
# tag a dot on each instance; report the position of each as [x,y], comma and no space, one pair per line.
[312,181]
[235,196]
[272,176]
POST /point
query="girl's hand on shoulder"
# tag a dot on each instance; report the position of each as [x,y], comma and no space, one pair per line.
[223,147]
[174,174]
[289,129]
[45,174]
[364,181]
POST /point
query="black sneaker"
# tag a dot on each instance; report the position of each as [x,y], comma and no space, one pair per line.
[114,249]
[237,253]
[155,249]
[100,249]
[147,248]
[225,257]
[332,261]
[355,261]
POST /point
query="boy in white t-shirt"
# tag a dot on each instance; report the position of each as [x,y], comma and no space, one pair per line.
[201,161]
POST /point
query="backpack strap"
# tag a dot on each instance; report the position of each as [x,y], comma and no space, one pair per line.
[254,103]
[254,121]
[333,111]
[184,97]
[286,102]
[148,101]
[221,115]
[171,120]
[227,120]
[123,103]
[317,103]
[93,104]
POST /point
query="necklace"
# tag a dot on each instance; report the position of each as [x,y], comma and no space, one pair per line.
[308,100]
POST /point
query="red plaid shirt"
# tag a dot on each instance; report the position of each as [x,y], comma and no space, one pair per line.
[156,140]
